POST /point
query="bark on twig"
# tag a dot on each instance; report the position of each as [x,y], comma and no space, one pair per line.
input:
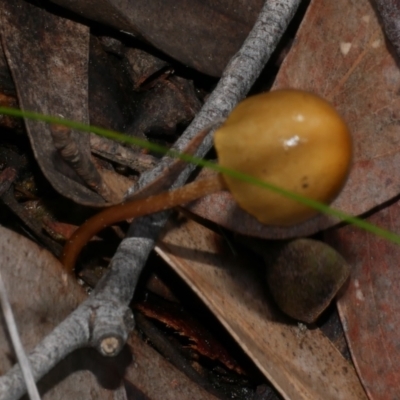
[105,320]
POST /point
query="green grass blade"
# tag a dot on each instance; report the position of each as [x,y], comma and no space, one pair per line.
[322,208]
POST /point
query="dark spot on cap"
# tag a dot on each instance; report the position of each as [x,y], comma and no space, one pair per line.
[304,182]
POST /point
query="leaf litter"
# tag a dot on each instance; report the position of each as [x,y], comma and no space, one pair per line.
[363,50]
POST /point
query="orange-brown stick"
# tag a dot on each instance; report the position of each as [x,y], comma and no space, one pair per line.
[133,209]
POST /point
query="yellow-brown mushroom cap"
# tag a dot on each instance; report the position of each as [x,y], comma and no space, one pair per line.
[292,139]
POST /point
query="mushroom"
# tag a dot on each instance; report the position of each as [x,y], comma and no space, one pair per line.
[302,275]
[291,138]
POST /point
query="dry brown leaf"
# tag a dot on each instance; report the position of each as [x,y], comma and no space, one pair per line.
[48,57]
[154,376]
[300,364]
[340,52]
[42,295]
[169,104]
[202,34]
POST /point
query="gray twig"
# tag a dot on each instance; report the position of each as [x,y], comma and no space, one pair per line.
[105,320]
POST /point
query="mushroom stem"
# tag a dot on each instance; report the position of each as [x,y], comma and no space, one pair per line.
[134,209]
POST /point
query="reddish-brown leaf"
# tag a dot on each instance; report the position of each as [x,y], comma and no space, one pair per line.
[174,316]
[370,308]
